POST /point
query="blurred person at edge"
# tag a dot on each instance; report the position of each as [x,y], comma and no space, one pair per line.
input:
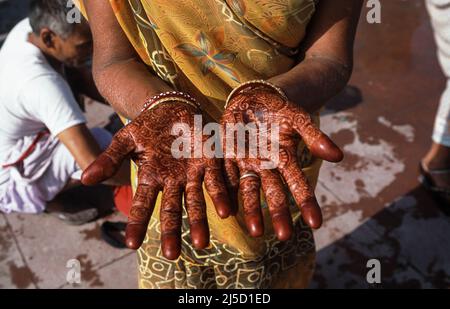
[44,141]
[435,166]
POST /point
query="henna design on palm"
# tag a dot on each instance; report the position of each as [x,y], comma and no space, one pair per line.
[148,141]
[262,105]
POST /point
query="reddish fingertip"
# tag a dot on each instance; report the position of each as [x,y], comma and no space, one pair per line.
[223,205]
[89,175]
[98,171]
[223,211]
[255,226]
[132,244]
[282,226]
[171,246]
[326,149]
[200,236]
[134,235]
[312,214]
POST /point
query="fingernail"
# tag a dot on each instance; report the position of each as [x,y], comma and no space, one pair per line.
[311,213]
[224,206]
[171,246]
[134,235]
[223,211]
[282,226]
[255,226]
[88,175]
[325,148]
[200,235]
[97,172]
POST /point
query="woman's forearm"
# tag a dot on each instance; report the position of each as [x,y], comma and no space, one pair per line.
[314,81]
[126,84]
[121,77]
[328,49]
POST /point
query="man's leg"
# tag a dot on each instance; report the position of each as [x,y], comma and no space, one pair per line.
[64,174]
[438,157]
[437,160]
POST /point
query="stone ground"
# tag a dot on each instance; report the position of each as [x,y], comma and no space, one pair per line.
[373,205]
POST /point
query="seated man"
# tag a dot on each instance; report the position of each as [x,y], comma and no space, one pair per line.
[44,141]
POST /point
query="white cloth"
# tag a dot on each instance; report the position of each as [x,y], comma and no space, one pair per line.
[439,11]
[27,191]
[33,96]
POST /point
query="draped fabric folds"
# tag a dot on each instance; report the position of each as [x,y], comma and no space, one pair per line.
[206,48]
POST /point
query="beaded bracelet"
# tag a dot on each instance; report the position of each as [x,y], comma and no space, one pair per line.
[255,83]
[164,97]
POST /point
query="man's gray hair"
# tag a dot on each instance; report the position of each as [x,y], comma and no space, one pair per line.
[51,14]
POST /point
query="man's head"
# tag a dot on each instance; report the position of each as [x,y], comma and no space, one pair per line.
[68,42]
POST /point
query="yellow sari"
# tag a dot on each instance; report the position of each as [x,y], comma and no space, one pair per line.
[206,48]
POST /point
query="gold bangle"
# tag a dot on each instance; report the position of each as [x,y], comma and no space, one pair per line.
[157,100]
[165,100]
[257,82]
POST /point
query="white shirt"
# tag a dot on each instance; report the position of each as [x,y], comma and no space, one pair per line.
[33,96]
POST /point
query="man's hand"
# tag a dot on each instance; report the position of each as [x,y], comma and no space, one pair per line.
[264,106]
[148,141]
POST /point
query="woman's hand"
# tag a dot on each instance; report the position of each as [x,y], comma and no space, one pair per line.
[264,107]
[148,141]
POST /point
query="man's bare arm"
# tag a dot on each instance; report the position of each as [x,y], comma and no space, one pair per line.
[84,148]
[82,82]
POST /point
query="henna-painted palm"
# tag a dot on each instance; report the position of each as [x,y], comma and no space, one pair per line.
[148,141]
[263,105]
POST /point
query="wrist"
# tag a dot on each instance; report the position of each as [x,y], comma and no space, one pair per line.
[255,85]
[169,97]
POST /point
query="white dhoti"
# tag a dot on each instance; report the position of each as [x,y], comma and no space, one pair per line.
[439,11]
[42,174]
